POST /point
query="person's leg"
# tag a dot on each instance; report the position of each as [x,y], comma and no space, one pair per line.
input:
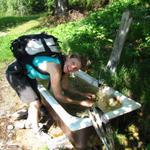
[27,91]
[34,114]
[34,107]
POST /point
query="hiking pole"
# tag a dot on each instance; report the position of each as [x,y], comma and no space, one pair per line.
[102,127]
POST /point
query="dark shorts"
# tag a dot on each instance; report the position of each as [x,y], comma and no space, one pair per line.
[25,87]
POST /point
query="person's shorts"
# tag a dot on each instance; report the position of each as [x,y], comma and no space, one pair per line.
[25,87]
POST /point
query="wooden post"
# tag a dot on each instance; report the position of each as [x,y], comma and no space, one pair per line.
[119,42]
[61,7]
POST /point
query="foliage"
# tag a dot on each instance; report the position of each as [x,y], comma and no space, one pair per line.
[44,148]
[93,37]
[4,47]
[21,7]
[38,6]
[18,7]
[3,7]
[87,4]
[50,6]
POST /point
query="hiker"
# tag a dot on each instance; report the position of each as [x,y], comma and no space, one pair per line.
[22,78]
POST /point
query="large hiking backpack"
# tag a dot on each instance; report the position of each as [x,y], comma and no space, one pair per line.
[26,47]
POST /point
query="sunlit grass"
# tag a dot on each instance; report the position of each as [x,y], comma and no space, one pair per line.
[24,27]
[13,21]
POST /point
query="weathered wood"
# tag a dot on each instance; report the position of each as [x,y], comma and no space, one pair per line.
[119,42]
[61,7]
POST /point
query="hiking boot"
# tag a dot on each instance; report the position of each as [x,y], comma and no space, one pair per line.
[41,134]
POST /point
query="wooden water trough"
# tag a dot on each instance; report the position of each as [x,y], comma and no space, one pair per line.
[80,131]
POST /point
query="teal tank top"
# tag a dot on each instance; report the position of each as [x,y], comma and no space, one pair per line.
[38,60]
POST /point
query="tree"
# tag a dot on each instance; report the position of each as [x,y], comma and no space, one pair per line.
[61,7]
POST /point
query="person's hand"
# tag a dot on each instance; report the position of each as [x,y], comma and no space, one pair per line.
[89,96]
[87,103]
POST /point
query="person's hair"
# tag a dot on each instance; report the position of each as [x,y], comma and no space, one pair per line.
[81,58]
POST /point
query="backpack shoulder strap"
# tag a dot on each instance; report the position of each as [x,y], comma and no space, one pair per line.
[62,59]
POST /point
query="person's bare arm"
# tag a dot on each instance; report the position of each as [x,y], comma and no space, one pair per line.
[55,76]
[66,86]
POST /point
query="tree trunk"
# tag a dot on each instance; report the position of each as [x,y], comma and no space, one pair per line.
[61,7]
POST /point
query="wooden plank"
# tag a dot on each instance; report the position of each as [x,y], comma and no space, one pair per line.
[119,42]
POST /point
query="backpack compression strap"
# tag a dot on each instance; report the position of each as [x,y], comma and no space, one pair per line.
[47,49]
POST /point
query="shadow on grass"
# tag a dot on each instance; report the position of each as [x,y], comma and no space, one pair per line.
[133,80]
[12,21]
[97,44]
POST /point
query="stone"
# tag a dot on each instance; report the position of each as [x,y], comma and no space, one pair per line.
[10,127]
[19,124]
[14,147]
[20,114]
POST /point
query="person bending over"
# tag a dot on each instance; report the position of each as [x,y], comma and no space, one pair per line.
[24,81]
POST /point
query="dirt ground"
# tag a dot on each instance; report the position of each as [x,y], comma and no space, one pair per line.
[24,139]
[11,138]
[10,103]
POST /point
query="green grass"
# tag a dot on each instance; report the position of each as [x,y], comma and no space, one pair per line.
[13,21]
[4,48]
[93,37]
[11,28]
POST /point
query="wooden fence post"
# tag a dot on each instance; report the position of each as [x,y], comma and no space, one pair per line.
[119,42]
